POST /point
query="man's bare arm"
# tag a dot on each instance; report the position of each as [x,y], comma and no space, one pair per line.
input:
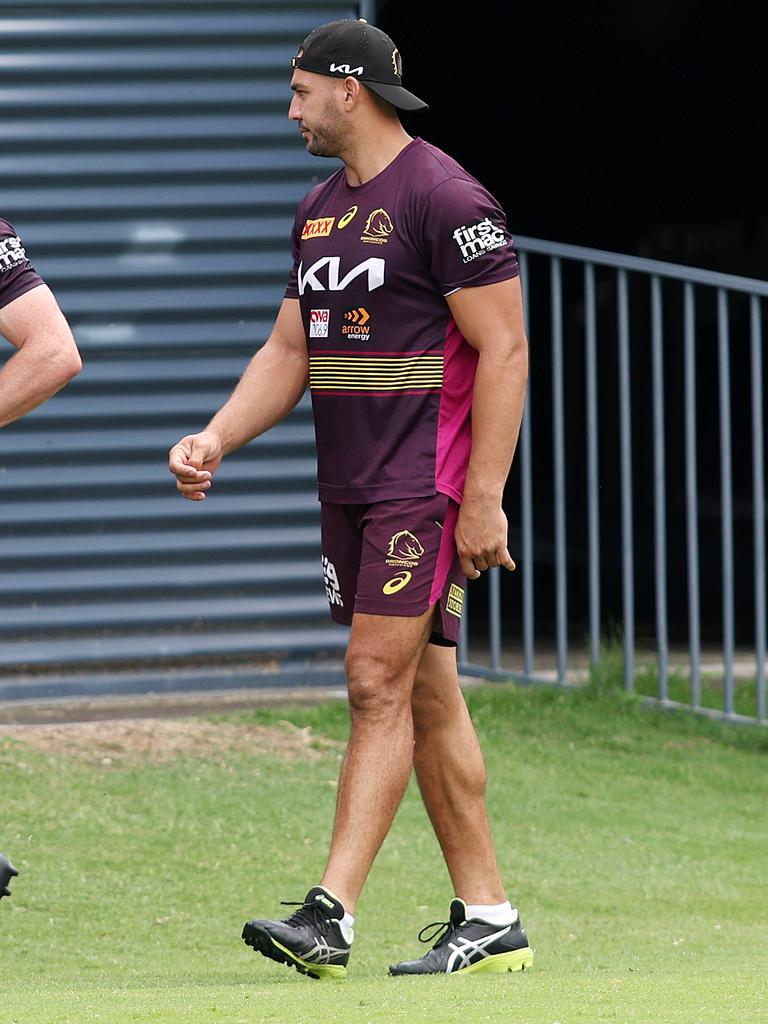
[491,319]
[47,355]
[272,384]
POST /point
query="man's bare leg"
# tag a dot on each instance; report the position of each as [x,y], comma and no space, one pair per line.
[451,774]
[381,661]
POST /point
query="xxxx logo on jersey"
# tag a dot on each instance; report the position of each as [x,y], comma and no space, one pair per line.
[319,228]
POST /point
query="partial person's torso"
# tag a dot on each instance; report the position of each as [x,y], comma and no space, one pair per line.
[390,375]
[17,275]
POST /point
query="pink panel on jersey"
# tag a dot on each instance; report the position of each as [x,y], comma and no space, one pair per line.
[447,553]
[454,429]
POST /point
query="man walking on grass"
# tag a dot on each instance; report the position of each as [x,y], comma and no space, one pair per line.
[403,313]
[46,358]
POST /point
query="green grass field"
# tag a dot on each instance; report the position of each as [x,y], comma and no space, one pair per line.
[635,843]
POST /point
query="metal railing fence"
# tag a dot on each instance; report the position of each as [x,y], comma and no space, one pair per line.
[641,455]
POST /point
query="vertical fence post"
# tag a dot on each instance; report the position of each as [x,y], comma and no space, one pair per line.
[526,496]
[627,542]
[558,442]
[659,487]
[726,496]
[494,616]
[462,652]
[593,479]
[691,494]
[758,498]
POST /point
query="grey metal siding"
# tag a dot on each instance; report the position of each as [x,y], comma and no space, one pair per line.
[149,165]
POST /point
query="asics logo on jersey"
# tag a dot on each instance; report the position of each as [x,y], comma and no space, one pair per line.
[343,221]
[323,275]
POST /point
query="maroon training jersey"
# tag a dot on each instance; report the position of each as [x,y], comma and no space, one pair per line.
[17,275]
[390,374]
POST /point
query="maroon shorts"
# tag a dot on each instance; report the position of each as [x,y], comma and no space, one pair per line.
[394,558]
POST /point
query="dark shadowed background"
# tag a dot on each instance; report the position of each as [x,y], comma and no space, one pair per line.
[632,127]
[627,126]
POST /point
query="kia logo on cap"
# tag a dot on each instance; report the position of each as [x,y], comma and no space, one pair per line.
[345,69]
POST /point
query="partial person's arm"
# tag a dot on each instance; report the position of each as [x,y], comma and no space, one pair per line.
[47,355]
[490,317]
[272,384]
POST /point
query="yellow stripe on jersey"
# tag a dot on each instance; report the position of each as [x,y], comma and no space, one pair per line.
[375,373]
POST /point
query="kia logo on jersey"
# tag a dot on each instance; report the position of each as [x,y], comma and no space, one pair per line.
[323,275]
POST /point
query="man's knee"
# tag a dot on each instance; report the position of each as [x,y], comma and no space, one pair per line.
[434,706]
[377,686]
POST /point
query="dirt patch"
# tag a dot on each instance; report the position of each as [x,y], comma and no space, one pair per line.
[157,740]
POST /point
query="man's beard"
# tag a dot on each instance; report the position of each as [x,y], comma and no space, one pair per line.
[329,141]
[323,146]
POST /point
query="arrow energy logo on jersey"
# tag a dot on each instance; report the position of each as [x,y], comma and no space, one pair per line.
[357,327]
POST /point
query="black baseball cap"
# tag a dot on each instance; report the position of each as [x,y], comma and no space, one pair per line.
[348,47]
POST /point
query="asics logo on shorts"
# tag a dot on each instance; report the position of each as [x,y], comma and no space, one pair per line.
[398,581]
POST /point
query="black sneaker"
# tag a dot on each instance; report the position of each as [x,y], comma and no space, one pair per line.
[311,939]
[470,946]
[7,872]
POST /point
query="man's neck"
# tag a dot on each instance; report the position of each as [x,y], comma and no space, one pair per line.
[374,151]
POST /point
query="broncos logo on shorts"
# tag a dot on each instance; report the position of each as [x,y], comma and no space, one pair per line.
[406,547]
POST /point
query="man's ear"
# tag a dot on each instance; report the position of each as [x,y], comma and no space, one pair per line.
[352,92]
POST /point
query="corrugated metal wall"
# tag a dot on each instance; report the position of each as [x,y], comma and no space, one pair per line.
[148,162]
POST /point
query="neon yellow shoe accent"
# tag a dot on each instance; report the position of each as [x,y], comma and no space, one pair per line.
[500,963]
[320,971]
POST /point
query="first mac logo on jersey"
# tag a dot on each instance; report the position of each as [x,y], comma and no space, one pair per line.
[476,239]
